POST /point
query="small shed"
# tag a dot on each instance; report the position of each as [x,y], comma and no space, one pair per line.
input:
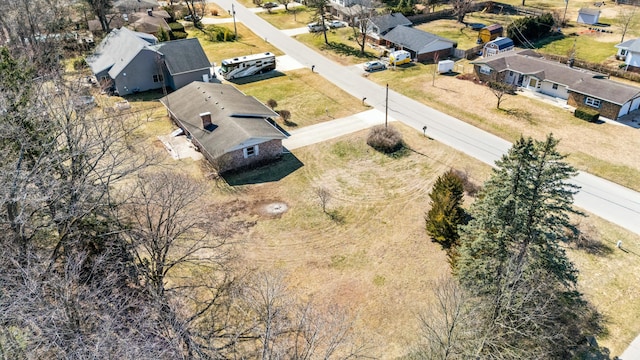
[497,46]
[489,33]
[588,16]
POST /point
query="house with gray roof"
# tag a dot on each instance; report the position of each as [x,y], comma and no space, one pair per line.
[629,51]
[378,26]
[580,88]
[232,130]
[128,62]
[422,45]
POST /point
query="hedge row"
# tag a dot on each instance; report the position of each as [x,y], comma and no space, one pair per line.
[590,115]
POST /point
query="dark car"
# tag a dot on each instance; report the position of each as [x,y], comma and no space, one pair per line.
[374,66]
[270,5]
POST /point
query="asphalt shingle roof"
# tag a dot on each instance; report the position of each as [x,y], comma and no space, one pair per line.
[117,49]
[236,117]
[587,11]
[632,45]
[390,21]
[577,80]
[182,56]
[417,40]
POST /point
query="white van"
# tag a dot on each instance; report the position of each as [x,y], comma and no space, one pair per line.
[399,57]
[315,27]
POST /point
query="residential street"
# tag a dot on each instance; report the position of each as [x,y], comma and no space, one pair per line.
[598,196]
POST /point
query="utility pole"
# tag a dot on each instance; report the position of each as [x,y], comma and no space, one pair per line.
[386,107]
[566,4]
[235,29]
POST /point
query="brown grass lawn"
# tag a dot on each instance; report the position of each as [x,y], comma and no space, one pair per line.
[249,43]
[306,95]
[342,48]
[282,19]
[602,149]
[376,259]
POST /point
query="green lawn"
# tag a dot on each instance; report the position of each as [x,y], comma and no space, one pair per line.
[587,47]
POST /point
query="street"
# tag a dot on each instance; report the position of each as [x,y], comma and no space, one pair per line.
[601,197]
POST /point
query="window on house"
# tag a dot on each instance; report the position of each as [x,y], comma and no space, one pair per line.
[250,151]
[485,70]
[592,102]
[510,73]
[623,52]
[555,86]
[157,78]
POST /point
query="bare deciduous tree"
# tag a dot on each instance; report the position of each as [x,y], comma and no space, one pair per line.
[360,14]
[324,196]
[499,90]
[626,18]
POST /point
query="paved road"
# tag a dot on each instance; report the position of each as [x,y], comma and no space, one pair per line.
[598,196]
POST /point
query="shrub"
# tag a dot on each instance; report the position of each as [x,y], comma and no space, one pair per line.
[285,115]
[471,188]
[79,63]
[219,34]
[176,26]
[385,139]
[272,104]
[177,35]
[588,114]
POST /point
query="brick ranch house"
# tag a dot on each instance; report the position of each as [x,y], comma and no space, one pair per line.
[580,88]
[232,130]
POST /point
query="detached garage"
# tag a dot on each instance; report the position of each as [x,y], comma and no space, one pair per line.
[588,16]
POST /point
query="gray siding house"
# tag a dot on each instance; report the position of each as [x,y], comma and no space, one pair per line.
[232,130]
[380,25]
[129,62]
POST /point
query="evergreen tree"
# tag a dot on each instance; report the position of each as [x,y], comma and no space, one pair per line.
[512,261]
[446,212]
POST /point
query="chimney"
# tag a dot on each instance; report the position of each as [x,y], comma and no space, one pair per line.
[150,12]
[206,120]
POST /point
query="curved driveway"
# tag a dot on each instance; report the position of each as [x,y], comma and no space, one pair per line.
[598,196]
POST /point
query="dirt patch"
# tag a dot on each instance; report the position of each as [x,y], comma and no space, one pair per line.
[269,208]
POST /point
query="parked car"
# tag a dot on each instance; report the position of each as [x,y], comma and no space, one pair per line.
[374,66]
[190,18]
[270,5]
[315,27]
[334,24]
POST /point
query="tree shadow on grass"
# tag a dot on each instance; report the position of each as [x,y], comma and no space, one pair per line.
[520,114]
[347,50]
[270,172]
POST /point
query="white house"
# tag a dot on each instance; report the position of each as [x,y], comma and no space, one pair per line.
[629,51]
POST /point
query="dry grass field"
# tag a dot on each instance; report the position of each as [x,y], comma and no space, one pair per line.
[372,256]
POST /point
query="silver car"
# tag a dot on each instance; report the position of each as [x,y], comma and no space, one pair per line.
[374,66]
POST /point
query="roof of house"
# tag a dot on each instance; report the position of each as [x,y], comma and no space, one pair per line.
[417,40]
[238,119]
[501,43]
[117,49]
[183,55]
[136,4]
[149,24]
[495,28]
[632,45]
[116,22]
[588,11]
[578,80]
[389,21]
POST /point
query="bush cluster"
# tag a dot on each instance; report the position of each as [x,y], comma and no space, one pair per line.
[531,28]
[219,34]
[385,139]
[587,114]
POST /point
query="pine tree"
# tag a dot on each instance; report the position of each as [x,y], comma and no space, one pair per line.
[446,212]
[512,260]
